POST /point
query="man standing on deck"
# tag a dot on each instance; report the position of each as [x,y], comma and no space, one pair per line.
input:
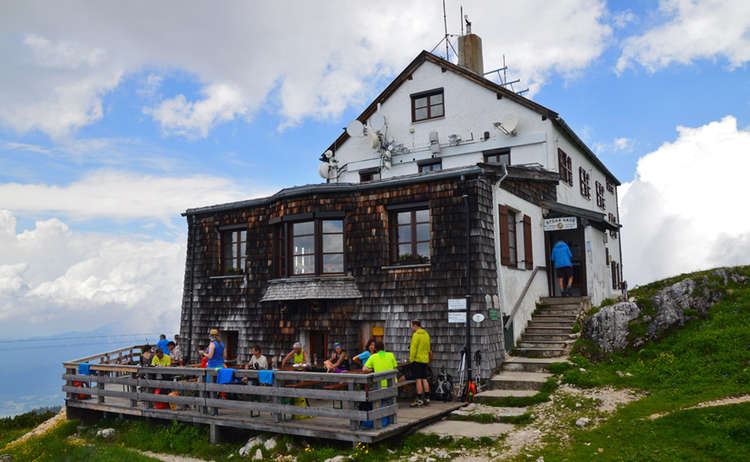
[419,356]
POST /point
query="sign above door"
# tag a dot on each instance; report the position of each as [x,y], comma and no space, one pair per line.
[561,223]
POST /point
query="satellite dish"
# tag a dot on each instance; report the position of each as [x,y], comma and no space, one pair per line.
[377,122]
[509,124]
[328,154]
[324,169]
[355,129]
[374,139]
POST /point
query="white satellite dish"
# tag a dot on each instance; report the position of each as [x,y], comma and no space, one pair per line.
[355,128]
[374,139]
[324,169]
[508,124]
[377,121]
[328,154]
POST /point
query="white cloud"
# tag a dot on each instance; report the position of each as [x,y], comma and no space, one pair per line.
[617,144]
[53,280]
[122,195]
[27,147]
[683,211]
[697,29]
[621,144]
[623,18]
[321,57]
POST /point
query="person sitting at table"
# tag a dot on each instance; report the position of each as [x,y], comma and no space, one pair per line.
[380,361]
[297,355]
[339,360]
[175,352]
[257,360]
[365,355]
[215,353]
[146,356]
[160,359]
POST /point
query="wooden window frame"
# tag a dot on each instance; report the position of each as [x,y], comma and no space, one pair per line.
[239,261]
[413,257]
[428,165]
[610,187]
[600,199]
[504,217]
[283,248]
[496,153]
[429,95]
[584,179]
[565,166]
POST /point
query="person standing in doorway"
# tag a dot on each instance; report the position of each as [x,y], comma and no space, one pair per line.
[563,267]
[419,356]
[216,353]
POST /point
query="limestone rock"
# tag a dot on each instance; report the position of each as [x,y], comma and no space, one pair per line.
[270,443]
[6,458]
[609,327]
[340,458]
[106,432]
[258,455]
[252,442]
[672,302]
[582,422]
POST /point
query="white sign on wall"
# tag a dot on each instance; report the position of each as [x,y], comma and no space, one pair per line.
[559,224]
[456,303]
[457,316]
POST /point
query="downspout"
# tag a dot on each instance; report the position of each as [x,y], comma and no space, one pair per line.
[497,195]
[190,293]
[619,239]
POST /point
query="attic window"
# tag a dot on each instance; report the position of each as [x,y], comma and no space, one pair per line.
[497,156]
[369,174]
[430,165]
[565,167]
[427,105]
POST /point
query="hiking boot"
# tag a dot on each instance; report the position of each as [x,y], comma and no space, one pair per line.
[426,402]
[417,403]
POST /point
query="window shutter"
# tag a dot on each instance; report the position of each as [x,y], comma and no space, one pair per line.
[527,244]
[214,253]
[504,243]
[614,275]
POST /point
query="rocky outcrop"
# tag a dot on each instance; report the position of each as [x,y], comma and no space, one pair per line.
[609,327]
[627,324]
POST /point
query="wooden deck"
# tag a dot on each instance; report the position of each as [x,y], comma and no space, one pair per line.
[335,406]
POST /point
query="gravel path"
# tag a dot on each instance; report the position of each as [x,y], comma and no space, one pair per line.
[714,403]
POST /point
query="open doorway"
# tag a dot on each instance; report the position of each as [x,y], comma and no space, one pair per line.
[318,346]
[231,341]
[575,240]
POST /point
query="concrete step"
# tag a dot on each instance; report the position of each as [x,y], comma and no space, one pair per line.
[540,352]
[543,344]
[530,364]
[558,311]
[504,393]
[512,380]
[563,300]
[554,324]
[548,330]
[526,337]
[553,318]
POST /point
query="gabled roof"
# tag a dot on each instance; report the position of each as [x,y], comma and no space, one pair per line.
[490,85]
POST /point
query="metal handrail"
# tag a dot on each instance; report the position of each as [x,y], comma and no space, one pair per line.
[523,294]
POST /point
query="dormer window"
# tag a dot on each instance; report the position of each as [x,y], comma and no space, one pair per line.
[497,156]
[369,174]
[427,105]
[430,165]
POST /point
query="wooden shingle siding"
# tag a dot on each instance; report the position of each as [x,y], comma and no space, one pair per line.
[391,295]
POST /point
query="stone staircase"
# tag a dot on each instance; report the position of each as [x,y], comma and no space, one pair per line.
[547,339]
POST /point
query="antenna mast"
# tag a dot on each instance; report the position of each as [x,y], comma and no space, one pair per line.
[445,28]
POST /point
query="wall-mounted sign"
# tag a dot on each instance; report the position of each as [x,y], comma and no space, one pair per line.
[478,317]
[493,315]
[457,316]
[456,303]
[559,224]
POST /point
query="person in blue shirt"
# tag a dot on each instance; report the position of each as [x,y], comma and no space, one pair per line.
[563,266]
[163,344]
[216,353]
[365,355]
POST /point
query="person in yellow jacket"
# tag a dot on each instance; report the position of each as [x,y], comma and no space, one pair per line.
[419,357]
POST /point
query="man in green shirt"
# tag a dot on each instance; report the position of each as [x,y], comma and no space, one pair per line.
[419,357]
[380,361]
[160,359]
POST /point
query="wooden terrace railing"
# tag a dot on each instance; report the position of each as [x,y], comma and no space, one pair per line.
[114,384]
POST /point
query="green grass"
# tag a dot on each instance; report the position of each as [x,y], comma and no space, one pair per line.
[707,359]
[12,428]
[55,446]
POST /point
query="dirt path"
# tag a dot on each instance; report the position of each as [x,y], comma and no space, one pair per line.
[168,457]
[714,403]
[41,429]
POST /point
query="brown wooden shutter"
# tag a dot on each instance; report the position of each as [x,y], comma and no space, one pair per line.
[504,242]
[527,244]
[214,252]
[614,275]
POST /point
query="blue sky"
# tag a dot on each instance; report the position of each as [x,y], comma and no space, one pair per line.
[118,118]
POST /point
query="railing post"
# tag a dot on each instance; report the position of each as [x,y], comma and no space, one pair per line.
[277,398]
[393,382]
[134,389]
[100,386]
[69,371]
[352,405]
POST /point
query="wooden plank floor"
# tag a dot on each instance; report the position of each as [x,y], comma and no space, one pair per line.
[317,427]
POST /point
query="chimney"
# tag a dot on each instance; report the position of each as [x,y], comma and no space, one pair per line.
[470,51]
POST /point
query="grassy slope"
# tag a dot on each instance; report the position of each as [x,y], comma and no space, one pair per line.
[12,428]
[708,359]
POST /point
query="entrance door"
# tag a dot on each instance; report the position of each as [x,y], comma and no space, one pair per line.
[318,346]
[231,341]
[575,240]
